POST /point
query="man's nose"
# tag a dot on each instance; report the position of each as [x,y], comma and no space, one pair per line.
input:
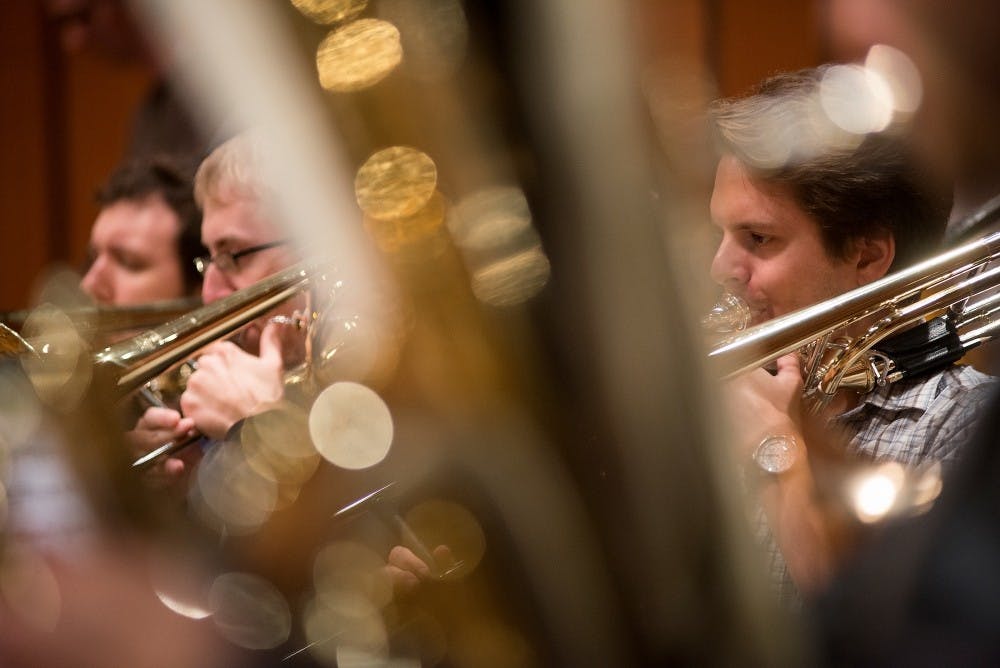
[96,283]
[729,268]
[215,285]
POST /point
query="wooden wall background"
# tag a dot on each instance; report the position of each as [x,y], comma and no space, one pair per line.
[65,118]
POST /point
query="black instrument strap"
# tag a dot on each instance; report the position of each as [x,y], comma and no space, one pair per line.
[928,347]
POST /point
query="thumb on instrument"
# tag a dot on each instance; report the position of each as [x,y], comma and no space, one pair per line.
[789,366]
[270,345]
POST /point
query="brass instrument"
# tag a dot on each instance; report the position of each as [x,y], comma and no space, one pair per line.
[11,343]
[131,363]
[128,365]
[958,287]
[103,319]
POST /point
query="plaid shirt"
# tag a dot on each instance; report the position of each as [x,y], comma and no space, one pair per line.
[921,420]
[913,422]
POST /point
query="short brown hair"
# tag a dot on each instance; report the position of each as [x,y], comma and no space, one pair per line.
[172,181]
[876,185]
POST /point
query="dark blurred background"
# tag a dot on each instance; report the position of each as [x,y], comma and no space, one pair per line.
[71,86]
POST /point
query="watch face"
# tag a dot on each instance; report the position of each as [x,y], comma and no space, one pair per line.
[775,454]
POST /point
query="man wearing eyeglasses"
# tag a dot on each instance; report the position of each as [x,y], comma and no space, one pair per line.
[238,378]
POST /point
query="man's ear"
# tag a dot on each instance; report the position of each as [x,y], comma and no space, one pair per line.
[874,256]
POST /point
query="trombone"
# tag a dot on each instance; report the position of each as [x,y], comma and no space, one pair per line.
[915,320]
[102,319]
[126,366]
[131,363]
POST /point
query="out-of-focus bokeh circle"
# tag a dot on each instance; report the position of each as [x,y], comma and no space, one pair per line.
[351,426]
[395,182]
[330,11]
[358,55]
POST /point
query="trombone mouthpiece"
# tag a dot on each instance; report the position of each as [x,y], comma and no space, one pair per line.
[730,314]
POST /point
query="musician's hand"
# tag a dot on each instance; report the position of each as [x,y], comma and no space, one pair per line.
[156,427]
[230,384]
[407,570]
[761,404]
[764,405]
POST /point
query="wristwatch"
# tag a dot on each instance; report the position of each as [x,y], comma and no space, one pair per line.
[776,454]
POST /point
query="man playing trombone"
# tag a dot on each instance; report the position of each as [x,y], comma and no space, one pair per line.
[140,252]
[230,379]
[808,211]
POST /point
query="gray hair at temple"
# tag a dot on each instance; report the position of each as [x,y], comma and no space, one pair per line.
[231,172]
[854,187]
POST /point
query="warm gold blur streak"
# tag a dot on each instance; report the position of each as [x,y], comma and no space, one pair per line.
[395,182]
[330,11]
[358,55]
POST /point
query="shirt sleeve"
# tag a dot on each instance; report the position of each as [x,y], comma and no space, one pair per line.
[952,419]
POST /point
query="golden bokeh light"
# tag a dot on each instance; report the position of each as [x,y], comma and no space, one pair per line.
[857,99]
[397,234]
[345,348]
[874,493]
[900,75]
[395,182]
[512,280]
[249,611]
[229,494]
[799,129]
[358,55]
[276,445]
[346,566]
[438,522]
[345,622]
[493,229]
[330,11]
[351,426]
[287,494]
[30,589]
[490,218]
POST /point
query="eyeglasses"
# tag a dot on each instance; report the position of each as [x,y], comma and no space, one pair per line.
[227,262]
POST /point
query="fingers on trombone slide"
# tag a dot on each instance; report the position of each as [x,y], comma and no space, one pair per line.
[166,450]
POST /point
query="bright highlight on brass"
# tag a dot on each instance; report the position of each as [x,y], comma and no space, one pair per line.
[358,55]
